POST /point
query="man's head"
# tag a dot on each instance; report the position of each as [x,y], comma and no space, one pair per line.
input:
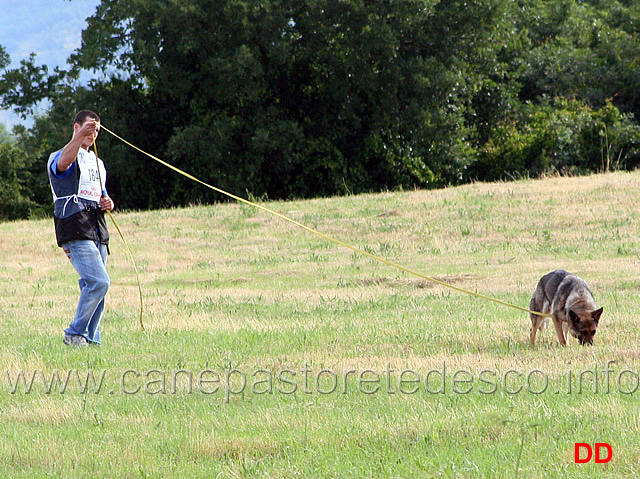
[82,118]
[85,115]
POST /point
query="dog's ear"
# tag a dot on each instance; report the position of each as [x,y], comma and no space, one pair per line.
[596,314]
[573,317]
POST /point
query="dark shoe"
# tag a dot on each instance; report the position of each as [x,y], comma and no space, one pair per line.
[74,340]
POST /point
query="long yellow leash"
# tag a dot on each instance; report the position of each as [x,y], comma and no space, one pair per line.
[322,235]
[115,223]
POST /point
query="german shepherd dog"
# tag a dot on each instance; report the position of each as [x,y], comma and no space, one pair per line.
[572,307]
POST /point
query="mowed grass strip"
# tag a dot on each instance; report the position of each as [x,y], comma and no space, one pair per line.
[270,352]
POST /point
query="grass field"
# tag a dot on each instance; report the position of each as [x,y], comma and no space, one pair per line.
[269,352]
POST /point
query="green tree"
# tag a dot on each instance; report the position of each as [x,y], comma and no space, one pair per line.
[298,98]
[575,107]
[563,136]
[15,201]
[583,49]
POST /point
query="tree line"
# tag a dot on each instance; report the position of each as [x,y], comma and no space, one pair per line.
[303,98]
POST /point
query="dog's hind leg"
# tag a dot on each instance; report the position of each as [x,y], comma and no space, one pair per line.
[533,330]
[537,323]
[560,331]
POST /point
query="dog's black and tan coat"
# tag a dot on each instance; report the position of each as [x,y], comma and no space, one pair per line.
[571,305]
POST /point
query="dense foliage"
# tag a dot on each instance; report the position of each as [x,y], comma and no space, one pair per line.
[300,98]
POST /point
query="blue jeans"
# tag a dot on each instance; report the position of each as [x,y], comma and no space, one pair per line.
[89,258]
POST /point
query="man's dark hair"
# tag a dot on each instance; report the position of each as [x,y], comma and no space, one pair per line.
[82,116]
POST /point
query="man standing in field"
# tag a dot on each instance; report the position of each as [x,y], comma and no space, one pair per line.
[78,179]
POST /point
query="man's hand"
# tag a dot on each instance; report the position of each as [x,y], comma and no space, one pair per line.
[88,132]
[106,203]
[83,137]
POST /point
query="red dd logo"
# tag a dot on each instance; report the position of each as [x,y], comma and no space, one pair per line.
[579,446]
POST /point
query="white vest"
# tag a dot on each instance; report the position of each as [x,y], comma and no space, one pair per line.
[92,176]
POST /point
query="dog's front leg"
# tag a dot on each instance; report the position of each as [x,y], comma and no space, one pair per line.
[565,331]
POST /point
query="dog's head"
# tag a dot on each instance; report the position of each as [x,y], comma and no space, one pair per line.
[583,325]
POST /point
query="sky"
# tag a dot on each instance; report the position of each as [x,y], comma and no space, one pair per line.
[49,28]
